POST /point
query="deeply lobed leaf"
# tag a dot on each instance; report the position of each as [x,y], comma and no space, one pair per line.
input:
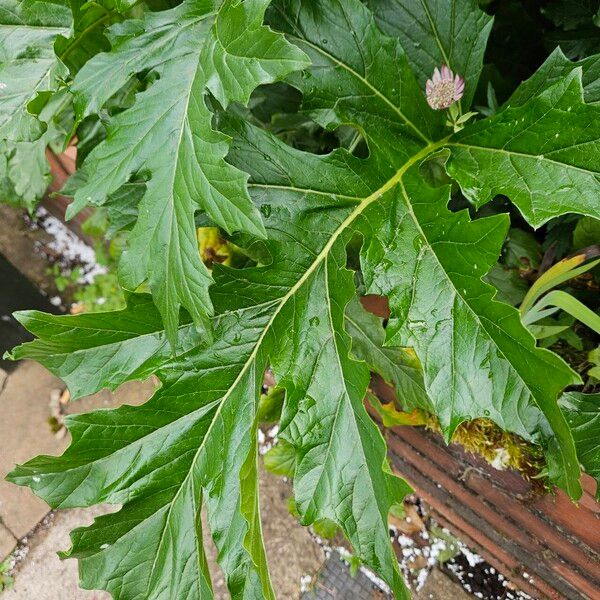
[205,436]
[194,442]
[197,46]
[546,171]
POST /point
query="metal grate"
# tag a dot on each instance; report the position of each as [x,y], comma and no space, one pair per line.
[334,582]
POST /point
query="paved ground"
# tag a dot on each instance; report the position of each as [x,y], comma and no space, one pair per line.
[42,575]
[333,583]
[25,431]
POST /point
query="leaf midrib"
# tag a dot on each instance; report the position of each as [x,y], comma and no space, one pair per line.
[366,83]
[436,35]
[292,188]
[540,157]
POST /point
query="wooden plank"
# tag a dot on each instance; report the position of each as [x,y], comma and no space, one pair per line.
[511,531]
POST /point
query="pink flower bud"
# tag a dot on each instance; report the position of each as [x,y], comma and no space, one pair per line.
[444,88]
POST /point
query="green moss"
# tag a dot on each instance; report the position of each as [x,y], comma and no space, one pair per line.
[484,438]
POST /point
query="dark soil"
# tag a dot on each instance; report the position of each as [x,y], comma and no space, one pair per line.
[481,579]
[18,293]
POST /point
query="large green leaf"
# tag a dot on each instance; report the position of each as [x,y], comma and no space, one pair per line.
[583,415]
[93,351]
[546,171]
[195,441]
[192,48]
[196,436]
[438,32]
[28,64]
[427,260]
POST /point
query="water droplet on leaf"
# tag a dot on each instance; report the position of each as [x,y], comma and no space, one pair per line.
[418,243]
[415,325]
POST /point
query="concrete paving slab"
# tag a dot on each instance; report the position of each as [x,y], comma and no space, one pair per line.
[44,576]
[25,432]
[7,541]
[439,586]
